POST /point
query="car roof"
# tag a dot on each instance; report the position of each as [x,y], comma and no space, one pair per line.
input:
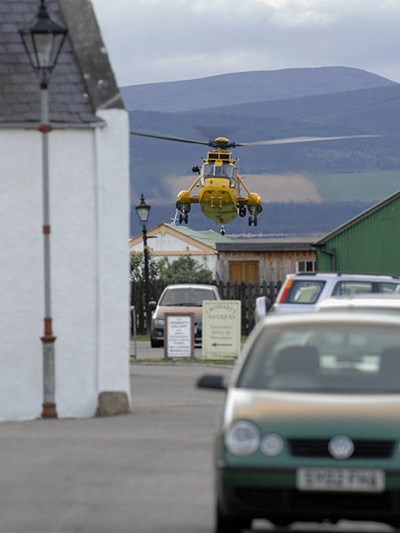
[347,275]
[373,301]
[328,317]
[190,286]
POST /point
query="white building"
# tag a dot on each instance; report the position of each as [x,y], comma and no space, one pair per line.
[89,213]
[172,242]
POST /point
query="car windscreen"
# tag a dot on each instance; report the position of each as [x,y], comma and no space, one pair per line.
[345,358]
[186,297]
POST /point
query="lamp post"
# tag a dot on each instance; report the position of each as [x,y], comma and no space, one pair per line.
[143,211]
[43,39]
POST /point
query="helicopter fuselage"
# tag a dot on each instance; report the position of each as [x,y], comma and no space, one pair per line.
[219,190]
[218,198]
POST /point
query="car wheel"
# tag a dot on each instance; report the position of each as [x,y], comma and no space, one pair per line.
[230,524]
[156,343]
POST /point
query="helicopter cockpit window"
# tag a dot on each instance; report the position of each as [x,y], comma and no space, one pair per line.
[226,170]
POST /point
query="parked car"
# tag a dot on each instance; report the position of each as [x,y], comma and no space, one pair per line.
[304,291]
[310,430]
[184,298]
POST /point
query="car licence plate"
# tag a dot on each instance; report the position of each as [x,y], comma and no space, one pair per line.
[341,479]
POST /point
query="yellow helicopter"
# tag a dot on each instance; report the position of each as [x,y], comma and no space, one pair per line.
[221,192]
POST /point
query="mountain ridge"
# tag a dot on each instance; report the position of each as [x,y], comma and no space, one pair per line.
[252,86]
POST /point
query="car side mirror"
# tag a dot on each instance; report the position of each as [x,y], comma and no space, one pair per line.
[263,305]
[211,381]
[152,305]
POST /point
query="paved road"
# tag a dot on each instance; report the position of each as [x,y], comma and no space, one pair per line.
[147,472]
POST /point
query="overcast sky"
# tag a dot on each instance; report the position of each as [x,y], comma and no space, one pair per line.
[167,40]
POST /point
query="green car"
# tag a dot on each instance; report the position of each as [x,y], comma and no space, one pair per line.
[310,429]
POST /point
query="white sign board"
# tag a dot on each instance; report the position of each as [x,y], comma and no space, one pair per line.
[179,335]
[221,329]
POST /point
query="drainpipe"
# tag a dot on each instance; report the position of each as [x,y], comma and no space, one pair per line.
[332,253]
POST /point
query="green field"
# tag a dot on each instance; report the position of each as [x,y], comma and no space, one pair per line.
[365,186]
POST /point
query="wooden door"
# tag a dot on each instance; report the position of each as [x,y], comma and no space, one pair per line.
[246,271]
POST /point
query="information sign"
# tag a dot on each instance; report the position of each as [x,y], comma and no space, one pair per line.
[221,329]
[179,335]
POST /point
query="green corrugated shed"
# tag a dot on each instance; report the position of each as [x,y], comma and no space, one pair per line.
[369,242]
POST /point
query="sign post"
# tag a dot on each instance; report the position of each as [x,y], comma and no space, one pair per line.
[179,335]
[221,329]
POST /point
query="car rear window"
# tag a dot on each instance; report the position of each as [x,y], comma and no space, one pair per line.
[301,291]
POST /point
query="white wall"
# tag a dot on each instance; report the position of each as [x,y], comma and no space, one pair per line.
[89,195]
[21,261]
[172,247]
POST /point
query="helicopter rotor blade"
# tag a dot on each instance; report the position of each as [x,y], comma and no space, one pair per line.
[224,143]
[291,140]
[168,137]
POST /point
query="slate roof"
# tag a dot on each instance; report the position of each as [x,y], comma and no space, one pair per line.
[265,245]
[82,81]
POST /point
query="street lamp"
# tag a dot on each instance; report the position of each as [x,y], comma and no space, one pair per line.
[43,39]
[143,211]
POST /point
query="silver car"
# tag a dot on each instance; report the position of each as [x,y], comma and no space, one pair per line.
[304,292]
[181,298]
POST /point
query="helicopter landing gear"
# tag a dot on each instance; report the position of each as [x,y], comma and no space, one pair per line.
[222,230]
[254,210]
[252,220]
[183,217]
[242,211]
[183,208]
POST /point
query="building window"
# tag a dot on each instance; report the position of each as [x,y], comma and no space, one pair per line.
[305,266]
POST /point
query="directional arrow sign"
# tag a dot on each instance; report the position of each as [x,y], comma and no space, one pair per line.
[220,344]
[221,329]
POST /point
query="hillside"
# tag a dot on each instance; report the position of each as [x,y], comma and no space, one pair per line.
[285,175]
[242,87]
[279,219]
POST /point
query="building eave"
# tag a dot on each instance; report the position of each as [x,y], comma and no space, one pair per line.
[265,247]
[55,126]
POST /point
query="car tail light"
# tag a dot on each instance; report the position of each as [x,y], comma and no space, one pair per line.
[285,292]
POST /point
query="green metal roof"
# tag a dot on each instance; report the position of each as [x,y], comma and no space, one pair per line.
[207,237]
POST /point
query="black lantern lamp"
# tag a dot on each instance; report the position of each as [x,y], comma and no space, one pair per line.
[43,40]
[143,211]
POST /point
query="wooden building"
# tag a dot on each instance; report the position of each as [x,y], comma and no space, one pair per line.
[258,260]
